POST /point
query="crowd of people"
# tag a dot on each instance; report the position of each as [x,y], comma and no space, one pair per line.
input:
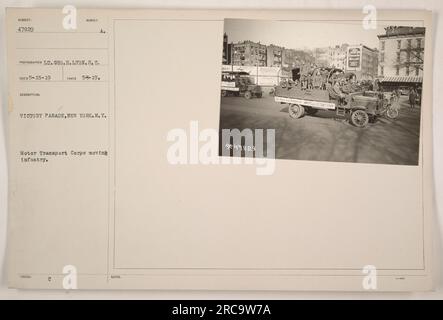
[338,84]
[312,77]
[309,76]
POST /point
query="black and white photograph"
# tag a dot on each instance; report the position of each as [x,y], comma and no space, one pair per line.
[221,156]
[332,90]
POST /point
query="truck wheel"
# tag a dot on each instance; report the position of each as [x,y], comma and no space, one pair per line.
[392,113]
[359,118]
[296,111]
[224,93]
[248,95]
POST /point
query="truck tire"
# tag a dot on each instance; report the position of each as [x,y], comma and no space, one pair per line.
[224,93]
[296,111]
[248,95]
[359,118]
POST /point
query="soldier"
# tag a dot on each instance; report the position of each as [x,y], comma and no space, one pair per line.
[317,79]
[304,82]
[304,70]
[309,80]
[349,85]
[334,90]
[324,78]
[376,86]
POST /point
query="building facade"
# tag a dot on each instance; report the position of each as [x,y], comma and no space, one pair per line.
[337,56]
[401,52]
[363,61]
[274,56]
[226,50]
[333,57]
[248,53]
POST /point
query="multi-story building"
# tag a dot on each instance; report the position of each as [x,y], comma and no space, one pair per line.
[334,56]
[226,50]
[248,53]
[363,61]
[401,52]
[337,56]
[274,56]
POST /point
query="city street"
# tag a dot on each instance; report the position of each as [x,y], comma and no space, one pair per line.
[322,137]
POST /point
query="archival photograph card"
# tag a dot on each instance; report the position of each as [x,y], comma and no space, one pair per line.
[219,150]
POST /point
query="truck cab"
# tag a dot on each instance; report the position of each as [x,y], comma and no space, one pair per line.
[239,83]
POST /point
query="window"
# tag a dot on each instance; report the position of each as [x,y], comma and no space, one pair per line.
[407,70]
[409,43]
[417,71]
[418,43]
[382,45]
[398,44]
[382,71]
[398,56]
[382,57]
[397,71]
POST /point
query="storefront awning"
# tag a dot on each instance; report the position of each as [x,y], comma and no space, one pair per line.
[402,79]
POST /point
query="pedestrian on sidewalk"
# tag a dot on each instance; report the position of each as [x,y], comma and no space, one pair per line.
[412,97]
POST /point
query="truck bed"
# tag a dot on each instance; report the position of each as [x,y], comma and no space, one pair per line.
[314,98]
[296,92]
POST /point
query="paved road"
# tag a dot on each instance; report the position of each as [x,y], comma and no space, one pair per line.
[323,138]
